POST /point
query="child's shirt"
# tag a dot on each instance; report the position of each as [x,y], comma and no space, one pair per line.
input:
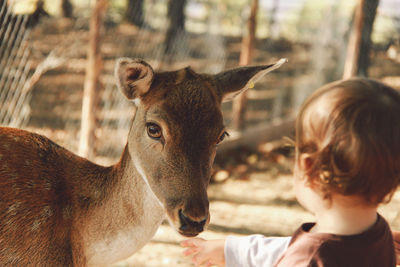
[373,247]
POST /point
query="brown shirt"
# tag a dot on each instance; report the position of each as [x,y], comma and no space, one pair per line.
[373,248]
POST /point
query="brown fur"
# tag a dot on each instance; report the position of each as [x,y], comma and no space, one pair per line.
[38,202]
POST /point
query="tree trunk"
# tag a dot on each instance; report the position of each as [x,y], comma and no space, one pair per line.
[92,81]
[246,54]
[37,14]
[134,12]
[272,25]
[357,59]
[176,28]
[370,9]
[66,9]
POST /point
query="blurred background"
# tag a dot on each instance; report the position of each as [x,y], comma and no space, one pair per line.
[56,78]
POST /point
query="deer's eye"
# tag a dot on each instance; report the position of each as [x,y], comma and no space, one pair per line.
[222,137]
[153,131]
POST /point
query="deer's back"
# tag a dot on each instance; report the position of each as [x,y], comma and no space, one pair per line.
[35,210]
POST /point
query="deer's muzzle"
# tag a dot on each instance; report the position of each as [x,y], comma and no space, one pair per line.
[190,227]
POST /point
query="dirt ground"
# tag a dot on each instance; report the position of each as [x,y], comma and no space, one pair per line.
[247,197]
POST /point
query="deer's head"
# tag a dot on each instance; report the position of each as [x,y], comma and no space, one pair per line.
[175,132]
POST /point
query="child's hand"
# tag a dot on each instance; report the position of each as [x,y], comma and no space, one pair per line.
[396,238]
[207,252]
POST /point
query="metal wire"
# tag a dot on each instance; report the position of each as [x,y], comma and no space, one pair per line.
[14,67]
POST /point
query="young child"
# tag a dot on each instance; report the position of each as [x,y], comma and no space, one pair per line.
[347,163]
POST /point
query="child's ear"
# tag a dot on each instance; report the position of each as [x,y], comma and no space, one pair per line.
[305,162]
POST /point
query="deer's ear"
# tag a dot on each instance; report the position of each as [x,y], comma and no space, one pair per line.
[232,82]
[134,77]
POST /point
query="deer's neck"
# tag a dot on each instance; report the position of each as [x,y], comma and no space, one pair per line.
[126,218]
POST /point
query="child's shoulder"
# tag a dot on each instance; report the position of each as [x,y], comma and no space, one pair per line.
[374,247]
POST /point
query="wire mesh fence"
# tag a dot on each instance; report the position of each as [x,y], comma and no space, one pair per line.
[15,66]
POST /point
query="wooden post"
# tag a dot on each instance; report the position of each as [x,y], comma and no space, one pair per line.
[353,47]
[134,12]
[176,28]
[246,54]
[92,81]
[66,9]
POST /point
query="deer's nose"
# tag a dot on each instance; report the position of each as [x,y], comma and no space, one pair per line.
[188,224]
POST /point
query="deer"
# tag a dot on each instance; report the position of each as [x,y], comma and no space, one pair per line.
[59,209]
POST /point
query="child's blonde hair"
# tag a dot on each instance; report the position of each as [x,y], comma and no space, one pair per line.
[349,131]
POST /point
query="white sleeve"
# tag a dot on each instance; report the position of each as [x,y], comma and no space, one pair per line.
[254,250]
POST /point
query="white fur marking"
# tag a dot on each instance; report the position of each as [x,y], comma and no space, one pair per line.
[127,241]
[36,225]
[136,101]
[143,175]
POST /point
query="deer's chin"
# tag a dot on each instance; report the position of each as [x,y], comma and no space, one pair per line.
[184,230]
[187,231]
[188,234]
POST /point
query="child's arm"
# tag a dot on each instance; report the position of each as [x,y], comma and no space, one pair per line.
[253,250]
